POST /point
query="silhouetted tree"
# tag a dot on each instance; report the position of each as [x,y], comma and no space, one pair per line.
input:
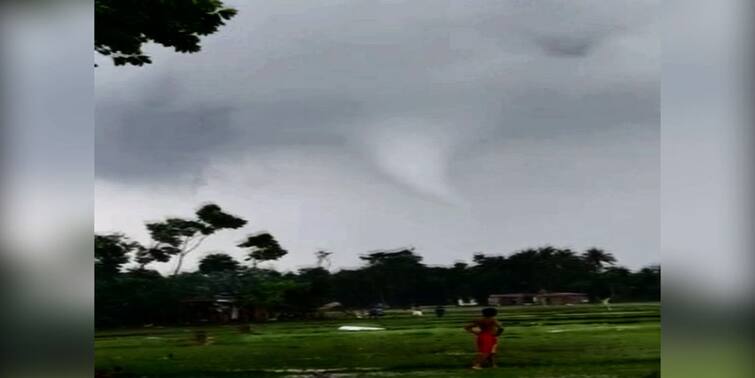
[616,282]
[395,275]
[111,252]
[123,26]
[315,288]
[323,258]
[647,283]
[353,287]
[262,247]
[597,258]
[218,262]
[264,290]
[179,237]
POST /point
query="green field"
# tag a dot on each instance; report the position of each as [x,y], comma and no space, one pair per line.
[544,342]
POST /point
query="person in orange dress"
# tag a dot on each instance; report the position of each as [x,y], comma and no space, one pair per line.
[487,329]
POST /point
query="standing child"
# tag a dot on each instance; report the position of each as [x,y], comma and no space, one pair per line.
[487,330]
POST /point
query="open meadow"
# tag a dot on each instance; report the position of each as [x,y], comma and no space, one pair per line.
[546,342]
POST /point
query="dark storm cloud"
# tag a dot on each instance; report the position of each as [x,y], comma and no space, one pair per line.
[158,143]
[326,72]
[454,126]
[162,145]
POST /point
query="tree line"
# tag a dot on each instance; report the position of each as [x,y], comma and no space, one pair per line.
[129,292]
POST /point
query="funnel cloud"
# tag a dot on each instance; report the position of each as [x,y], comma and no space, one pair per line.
[355,126]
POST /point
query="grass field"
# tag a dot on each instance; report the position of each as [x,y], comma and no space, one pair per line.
[544,342]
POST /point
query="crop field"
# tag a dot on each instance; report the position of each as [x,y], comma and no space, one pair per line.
[586,341]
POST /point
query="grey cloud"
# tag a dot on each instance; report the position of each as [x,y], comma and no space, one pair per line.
[156,145]
[341,122]
[545,113]
[566,46]
[319,76]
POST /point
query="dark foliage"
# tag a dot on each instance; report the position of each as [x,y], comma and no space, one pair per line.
[123,26]
[179,237]
[111,252]
[395,278]
[262,247]
[218,262]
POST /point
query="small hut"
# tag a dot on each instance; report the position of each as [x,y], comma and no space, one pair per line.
[218,309]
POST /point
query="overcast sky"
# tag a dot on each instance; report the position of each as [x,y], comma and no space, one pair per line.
[454,127]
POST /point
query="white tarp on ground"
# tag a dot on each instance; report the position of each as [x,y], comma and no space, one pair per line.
[358,328]
[330,306]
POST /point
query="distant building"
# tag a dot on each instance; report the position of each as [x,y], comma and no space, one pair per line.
[511,299]
[217,309]
[537,298]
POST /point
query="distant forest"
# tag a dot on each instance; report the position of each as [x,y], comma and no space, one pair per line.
[129,292]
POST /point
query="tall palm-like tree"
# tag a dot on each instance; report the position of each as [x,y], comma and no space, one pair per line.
[597,258]
[323,259]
